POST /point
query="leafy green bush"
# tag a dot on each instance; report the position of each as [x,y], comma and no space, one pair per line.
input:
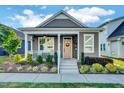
[49,62]
[17,58]
[84,69]
[111,68]
[56,58]
[44,69]
[39,59]
[82,58]
[53,69]
[105,70]
[97,68]
[29,58]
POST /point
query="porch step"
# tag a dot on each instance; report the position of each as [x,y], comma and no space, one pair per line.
[69,71]
[69,66]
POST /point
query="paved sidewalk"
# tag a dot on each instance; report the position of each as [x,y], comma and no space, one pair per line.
[62,78]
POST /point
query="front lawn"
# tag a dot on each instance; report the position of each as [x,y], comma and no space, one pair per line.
[59,85]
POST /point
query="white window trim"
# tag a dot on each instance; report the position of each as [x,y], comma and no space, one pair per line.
[41,51]
[92,35]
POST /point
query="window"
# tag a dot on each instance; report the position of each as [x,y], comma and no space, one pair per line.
[46,44]
[101,46]
[89,43]
[20,46]
[104,47]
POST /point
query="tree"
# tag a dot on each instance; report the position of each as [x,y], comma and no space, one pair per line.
[9,40]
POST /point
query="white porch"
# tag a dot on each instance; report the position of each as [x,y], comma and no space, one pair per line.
[54,33]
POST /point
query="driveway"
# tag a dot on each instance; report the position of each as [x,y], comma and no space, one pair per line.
[61,78]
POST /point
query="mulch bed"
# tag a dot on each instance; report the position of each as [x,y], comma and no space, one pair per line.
[24,67]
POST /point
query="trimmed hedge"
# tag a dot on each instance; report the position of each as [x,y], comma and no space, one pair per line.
[102,61]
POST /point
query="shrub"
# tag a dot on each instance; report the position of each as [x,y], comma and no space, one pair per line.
[105,70]
[1,69]
[102,61]
[35,69]
[56,58]
[53,69]
[29,58]
[39,59]
[29,69]
[84,69]
[111,68]
[17,58]
[49,62]
[9,69]
[19,69]
[97,67]
[82,58]
[44,69]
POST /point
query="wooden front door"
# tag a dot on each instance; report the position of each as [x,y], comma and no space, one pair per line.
[67,47]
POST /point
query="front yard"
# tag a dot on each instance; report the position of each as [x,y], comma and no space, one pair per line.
[59,85]
[18,64]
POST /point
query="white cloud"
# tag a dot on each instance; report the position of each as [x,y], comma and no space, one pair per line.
[29,19]
[9,8]
[90,15]
[43,7]
[66,8]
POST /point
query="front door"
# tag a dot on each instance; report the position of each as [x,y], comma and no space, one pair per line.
[67,47]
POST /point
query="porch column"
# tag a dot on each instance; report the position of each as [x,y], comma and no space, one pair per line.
[78,46]
[26,45]
[31,43]
[59,52]
[119,47]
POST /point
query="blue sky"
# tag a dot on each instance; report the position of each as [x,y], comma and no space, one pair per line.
[31,16]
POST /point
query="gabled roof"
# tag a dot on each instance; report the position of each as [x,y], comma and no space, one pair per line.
[66,14]
[118,31]
[111,21]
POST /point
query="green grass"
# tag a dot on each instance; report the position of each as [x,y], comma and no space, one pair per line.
[59,85]
[3,59]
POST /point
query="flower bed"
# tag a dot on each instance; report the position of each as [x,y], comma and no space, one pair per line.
[21,65]
[107,66]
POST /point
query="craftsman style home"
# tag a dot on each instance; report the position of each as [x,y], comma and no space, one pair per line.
[64,35]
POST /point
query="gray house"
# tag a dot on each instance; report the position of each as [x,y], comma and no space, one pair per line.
[63,34]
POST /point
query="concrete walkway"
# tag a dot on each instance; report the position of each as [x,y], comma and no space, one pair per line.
[62,78]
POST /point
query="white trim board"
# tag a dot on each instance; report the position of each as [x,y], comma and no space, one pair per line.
[92,36]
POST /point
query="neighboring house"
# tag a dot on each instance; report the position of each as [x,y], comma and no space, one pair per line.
[21,47]
[112,38]
[63,34]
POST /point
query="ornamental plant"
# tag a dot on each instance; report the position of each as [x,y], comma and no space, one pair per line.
[97,67]
[84,69]
[111,68]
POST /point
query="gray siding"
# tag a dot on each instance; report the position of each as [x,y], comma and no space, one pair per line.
[96,44]
[61,23]
[35,43]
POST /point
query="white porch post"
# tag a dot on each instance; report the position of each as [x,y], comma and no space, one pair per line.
[26,45]
[59,52]
[31,43]
[78,53]
[99,44]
